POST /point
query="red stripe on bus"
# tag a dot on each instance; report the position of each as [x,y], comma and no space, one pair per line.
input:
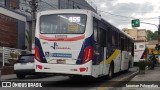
[62,39]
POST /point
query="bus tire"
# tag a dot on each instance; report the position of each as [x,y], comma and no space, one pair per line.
[110,73]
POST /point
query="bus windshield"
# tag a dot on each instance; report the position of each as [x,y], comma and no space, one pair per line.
[63,24]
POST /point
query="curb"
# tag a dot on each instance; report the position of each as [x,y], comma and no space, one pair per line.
[120,82]
[123,81]
[129,77]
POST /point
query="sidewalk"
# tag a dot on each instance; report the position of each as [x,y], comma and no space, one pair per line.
[148,81]
[150,75]
[7,77]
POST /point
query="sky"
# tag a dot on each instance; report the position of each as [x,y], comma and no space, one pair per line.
[121,12]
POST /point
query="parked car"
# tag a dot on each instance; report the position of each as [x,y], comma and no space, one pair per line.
[24,66]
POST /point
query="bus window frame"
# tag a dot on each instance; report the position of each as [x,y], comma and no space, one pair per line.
[63,14]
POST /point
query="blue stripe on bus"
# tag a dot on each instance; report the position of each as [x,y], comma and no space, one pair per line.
[87,42]
[38,44]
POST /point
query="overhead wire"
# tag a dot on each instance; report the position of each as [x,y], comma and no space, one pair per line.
[117,15]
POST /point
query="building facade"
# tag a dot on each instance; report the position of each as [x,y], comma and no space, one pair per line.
[17,18]
[12,25]
[25,7]
[137,34]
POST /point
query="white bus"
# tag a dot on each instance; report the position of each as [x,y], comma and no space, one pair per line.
[79,42]
[140,51]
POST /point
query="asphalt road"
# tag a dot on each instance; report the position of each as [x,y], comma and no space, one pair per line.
[55,82]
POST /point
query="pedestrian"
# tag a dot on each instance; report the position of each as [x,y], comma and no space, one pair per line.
[153,60]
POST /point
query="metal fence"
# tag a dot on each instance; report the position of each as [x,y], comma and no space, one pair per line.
[8,56]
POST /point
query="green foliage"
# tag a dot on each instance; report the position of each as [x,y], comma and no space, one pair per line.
[151,35]
[142,64]
[155,35]
[13,57]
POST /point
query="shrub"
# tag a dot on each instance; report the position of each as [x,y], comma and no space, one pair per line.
[142,64]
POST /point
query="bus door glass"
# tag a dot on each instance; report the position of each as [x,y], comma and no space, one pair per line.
[95,43]
[98,46]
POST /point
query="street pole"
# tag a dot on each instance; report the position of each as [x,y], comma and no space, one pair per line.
[158,27]
[159,32]
[159,36]
[34,5]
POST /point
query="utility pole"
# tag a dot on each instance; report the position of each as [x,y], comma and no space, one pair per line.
[34,5]
[159,32]
[159,37]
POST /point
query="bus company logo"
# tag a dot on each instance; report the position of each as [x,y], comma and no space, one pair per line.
[55,46]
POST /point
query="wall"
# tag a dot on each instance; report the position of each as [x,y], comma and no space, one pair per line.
[137,34]
[8,31]
[142,32]
[13,26]
[132,33]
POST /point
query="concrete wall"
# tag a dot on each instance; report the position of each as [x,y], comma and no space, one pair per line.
[12,14]
[137,34]
[132,33]
[22,24]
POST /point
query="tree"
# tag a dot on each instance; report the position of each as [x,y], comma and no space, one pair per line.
[151,35]
[29,38]
[155,35]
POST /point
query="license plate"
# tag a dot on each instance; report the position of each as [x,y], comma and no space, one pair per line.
[60,61]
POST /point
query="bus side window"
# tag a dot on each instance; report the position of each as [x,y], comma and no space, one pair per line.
[101,37]
[95,28]
[122,43]
[109,37]
[113,38]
